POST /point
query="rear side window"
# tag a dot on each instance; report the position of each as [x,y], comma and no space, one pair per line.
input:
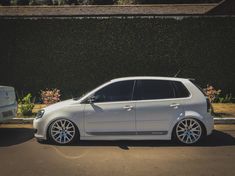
[118,91]
[153,89]
[180,90]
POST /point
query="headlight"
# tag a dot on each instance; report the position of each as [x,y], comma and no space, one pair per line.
[40,113]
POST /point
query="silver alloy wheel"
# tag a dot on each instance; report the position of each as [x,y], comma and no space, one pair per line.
[62,131]
[188,131]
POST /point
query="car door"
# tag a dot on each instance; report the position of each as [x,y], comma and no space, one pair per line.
[111,111]
[156,106]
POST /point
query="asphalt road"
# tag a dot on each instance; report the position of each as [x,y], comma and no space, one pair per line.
[20,154]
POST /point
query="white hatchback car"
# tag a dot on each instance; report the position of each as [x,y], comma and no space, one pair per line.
[131,108]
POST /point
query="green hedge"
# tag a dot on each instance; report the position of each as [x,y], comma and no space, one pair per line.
[75,55]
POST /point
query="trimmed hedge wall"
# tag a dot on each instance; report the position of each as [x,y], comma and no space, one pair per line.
[75,55]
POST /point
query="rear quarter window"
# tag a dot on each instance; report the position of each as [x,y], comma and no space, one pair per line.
[180,90]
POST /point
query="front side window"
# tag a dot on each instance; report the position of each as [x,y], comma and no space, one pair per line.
[118,91]
[153,89]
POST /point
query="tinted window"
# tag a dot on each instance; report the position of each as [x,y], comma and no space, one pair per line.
[180,90]
[119,91]
[153,89]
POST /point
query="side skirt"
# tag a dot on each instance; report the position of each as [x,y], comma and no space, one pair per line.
[153,135]
[117,133]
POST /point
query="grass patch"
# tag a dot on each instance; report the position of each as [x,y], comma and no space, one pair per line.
[224,109]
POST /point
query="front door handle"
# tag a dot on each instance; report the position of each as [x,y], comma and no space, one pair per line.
[174,105]
[128,107]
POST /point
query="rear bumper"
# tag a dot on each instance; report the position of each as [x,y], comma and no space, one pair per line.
[209,123]
[3,109]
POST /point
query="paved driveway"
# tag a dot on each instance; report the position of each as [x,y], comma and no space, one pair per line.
[20,154]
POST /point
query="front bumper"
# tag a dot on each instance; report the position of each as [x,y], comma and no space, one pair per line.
[39,129]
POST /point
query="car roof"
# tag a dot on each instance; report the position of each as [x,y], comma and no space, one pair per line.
[148,77]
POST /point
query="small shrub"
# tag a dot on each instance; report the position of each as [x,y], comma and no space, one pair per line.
[226,99]
[25,105]
[58,2]
[126,2]
[13,2]
[40,2]
[50,96]
[85,2]
[212,93]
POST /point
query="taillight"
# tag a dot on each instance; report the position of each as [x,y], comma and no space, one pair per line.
[209,106]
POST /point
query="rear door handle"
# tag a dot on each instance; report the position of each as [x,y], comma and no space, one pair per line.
[128,107]
[174,105]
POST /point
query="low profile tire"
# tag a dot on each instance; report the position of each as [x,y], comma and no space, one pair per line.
[188,131]
[63,132]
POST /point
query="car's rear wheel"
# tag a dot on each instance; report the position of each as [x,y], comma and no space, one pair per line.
[188,131]
[63,131]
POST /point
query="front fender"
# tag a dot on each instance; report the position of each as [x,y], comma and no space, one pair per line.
[72,114]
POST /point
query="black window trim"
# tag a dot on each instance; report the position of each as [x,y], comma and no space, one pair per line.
[134,89]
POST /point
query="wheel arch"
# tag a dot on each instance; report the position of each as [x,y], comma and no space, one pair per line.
[189,114]
[58,118]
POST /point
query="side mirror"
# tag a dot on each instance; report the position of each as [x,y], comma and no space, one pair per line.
[91,99]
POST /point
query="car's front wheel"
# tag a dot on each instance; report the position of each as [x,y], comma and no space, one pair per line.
[188,131]
[63,131]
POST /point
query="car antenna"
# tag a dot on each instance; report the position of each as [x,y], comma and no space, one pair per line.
[178,72]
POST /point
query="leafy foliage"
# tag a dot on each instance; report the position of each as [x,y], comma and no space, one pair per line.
[50,96]
[226,99]
[215,95]
[211,93]
[26,105]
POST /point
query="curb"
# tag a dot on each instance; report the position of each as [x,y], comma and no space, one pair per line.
[225,120]
[20,121]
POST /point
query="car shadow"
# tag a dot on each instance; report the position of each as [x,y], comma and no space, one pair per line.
[217,138]
[13,136]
